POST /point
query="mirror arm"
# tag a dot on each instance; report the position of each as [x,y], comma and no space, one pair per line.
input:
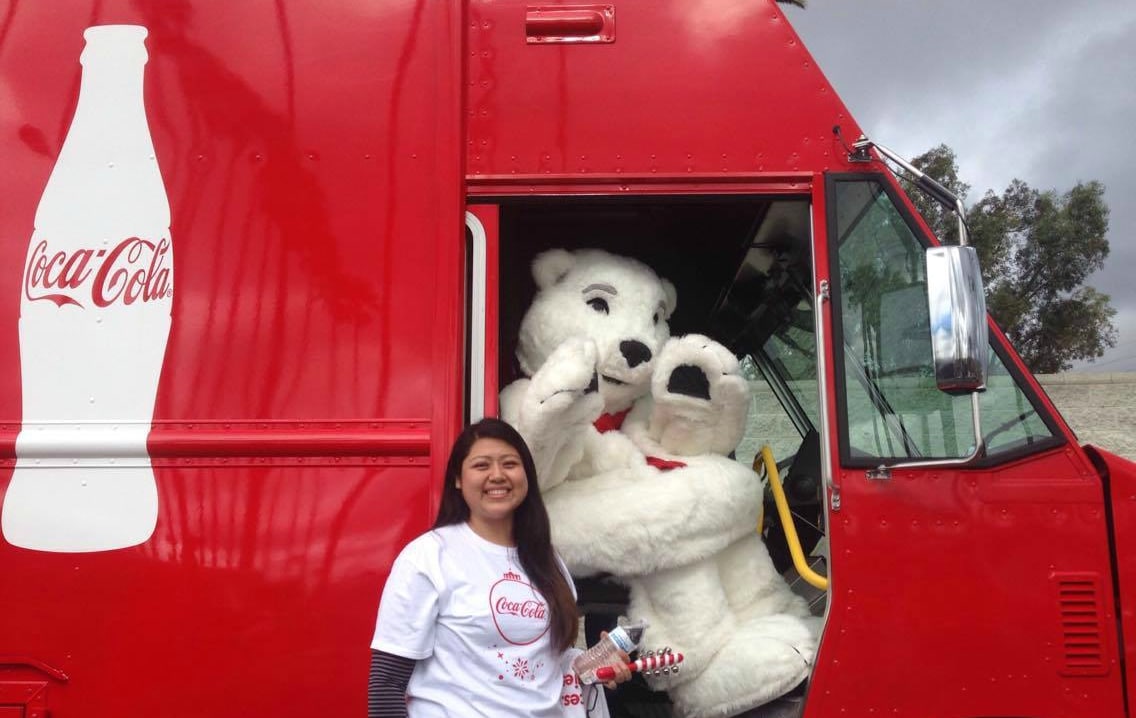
[928,184]
[884,470]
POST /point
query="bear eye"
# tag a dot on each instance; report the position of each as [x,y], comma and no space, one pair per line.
[655,319]
[599,304]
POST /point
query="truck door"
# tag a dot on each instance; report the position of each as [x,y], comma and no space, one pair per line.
[973,590]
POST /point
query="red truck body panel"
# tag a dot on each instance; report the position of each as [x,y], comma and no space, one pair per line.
[1121,484]
[649,107]
[977,596]
[312,380]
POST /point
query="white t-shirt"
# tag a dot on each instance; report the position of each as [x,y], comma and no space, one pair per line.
[463,607]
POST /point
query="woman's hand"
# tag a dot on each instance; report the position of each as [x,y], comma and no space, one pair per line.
[622,672]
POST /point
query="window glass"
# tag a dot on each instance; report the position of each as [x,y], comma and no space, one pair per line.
[892,406]
[1009,419]
[783,382]
[766,317]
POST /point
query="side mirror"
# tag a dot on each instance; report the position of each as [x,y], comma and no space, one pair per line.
[959,334]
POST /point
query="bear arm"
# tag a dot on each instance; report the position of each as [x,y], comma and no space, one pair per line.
[555,409]
[638,521]
[555,451]
[605,452]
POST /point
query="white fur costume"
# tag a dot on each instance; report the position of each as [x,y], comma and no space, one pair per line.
[683,539]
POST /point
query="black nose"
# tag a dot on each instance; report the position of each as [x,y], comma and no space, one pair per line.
[634,352]
[689,380]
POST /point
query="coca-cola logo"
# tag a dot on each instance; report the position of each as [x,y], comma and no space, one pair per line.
[524,609]
[519,612]
[133,270]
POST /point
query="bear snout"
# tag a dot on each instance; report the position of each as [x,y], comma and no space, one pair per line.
[635,352]
[689,380]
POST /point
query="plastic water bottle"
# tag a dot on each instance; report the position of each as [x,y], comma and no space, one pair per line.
[605,652]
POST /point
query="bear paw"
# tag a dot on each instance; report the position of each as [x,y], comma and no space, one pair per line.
[557,408]
[700,399]
[565,390]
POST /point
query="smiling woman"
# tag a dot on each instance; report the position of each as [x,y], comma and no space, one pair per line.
[478,616]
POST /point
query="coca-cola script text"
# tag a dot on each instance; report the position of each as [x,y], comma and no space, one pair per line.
[134,270]
[524,609]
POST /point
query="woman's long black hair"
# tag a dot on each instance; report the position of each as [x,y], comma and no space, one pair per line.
[531,532]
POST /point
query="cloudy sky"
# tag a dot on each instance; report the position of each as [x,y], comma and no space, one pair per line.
[1041,90]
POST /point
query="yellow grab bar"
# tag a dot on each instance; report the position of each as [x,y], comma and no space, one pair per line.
[795,550]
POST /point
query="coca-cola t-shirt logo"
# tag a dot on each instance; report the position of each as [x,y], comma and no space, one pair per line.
[519,612]
[133,270]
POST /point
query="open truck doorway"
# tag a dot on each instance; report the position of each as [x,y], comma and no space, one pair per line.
[742,268]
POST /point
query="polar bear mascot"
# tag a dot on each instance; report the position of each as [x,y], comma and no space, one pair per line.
[681,534]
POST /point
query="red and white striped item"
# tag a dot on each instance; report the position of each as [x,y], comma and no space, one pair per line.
[646,663]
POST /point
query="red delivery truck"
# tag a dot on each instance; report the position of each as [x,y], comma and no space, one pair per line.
[261,261]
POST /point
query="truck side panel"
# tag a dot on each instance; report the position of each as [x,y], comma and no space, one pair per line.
[311,154]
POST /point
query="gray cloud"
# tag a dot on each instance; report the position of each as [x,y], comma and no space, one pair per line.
[1038,90]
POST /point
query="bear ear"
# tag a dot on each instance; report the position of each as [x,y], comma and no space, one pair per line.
[550,267]
[670,297]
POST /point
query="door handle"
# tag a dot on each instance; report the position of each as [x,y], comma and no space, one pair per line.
[570,23]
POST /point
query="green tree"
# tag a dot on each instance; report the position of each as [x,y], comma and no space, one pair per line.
[1037,249]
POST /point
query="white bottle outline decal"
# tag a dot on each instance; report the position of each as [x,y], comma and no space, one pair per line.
[95,315]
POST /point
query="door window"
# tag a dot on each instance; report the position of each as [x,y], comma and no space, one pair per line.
[891,406]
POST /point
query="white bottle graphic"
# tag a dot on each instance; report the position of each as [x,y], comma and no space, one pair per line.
[94,319]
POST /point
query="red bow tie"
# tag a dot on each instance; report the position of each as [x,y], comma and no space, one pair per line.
[611,422]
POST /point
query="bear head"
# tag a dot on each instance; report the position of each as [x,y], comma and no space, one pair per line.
[617,302]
